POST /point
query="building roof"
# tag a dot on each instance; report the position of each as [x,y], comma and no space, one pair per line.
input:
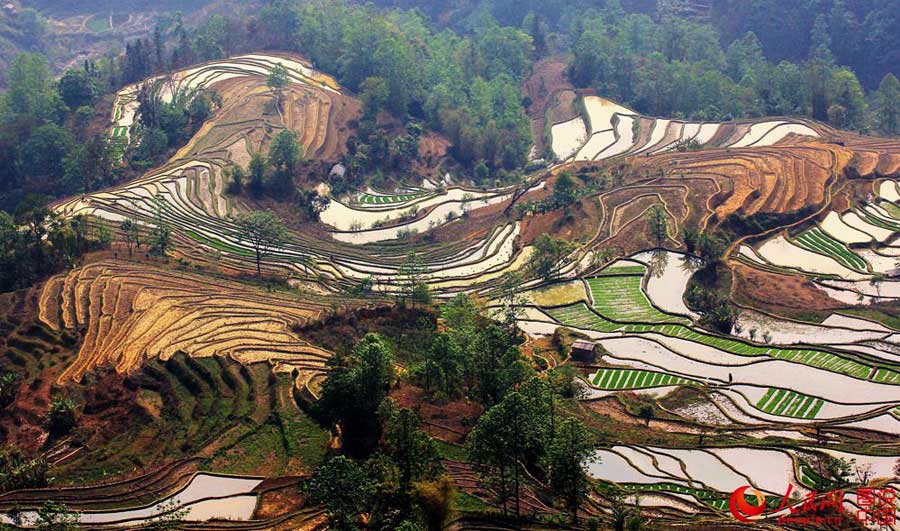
[583,345]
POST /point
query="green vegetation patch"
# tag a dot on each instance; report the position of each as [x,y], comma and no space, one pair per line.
[613,379]
[821,243]
[621,298]
[786,403]
[709,497]
[216,244]
[871,219]
[370,199]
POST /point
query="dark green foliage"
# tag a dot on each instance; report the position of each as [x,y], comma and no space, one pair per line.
[675,67]
[413,273]
[467,87]
[61,416]
[9,388]
[549,256]
[77,88]
[257,172]
[524,431]
[284,155]
[887,105]
[480,350]
[442,368]
[717,313]
[34,243]
[353,391]
[20,472]
[569,449]
[398,485]
[564,192]
[344,488]
[160,240]
[659,224]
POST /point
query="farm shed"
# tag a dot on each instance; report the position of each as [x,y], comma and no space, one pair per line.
[584,351]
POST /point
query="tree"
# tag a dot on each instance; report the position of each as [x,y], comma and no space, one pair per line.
[435,501]
[511,300]
[17,471]
[354,390]
[624,516]
[9,388]
[236,183]
[61,416]
[820,39]
[846,94]
[54,516]
[77,88]
[501,443]
[44,153]
[284,154]
[263,232]
[482,171]
[277,81]
[421,294]
[442,367]
[887,105]
[711,247]
[30,90]
[547,259]
[169,516]
[412,273]
[646,412]
[344,488]
[659,223]
[103,236]
[745,56]
[374,93]
[257,171]
[160,242]
[493,362]
[690,235]
[564,192]
[411,449]
[131,234]
[569,450]
[89,166]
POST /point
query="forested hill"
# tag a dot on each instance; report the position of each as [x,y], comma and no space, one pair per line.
[867,31]
[865,34]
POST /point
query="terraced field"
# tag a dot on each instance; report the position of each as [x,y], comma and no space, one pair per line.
[620,298]
[580,316]
[790,404]
[707,477]
[191,188]
[370,199]
[817,241]
[193,336]
[615,131]
[616,379]
[128,313]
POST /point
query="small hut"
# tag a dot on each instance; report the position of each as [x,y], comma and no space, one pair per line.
[584,351]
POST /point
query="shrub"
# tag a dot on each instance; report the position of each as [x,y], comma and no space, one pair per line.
[61,416]
[19,472]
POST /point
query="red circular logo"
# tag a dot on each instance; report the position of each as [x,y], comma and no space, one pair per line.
[741,509]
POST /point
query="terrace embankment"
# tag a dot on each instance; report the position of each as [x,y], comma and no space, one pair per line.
[125,313]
